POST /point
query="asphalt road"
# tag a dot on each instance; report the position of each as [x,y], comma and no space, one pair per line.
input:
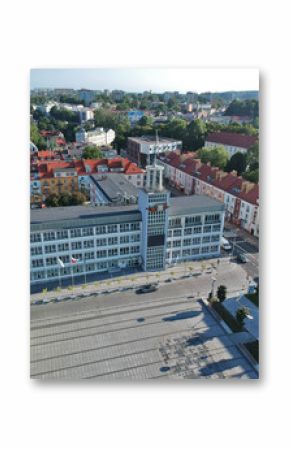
[230,274]
[246,245]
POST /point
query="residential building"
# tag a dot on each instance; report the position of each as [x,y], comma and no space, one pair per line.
[88,96]
[86,114]
[134,116]
[45,108]
[61,176]
[117,95]
[142,150]
[240,197]
[228,119]
[232,142]
[97,136]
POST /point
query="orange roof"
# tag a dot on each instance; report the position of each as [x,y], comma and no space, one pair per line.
[45,169]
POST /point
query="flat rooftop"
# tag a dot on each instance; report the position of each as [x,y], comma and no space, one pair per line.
[152,139]
[193,204]
[113,185]
[178,206]
[50,214]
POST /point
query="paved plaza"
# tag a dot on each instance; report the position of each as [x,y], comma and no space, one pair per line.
[136,338]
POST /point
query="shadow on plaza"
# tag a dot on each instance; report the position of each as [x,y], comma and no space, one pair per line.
[182,316]
[177,361]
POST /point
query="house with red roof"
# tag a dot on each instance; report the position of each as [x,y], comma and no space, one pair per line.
[232,142]
[59,176]
[241,197]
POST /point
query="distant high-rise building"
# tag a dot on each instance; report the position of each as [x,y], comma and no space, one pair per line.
[118,95]
[88,96]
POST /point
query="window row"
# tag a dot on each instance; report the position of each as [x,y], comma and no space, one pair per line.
[81,257]
[83,232]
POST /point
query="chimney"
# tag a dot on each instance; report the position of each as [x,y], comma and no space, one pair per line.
[208,164]
[249,186]
[234,172]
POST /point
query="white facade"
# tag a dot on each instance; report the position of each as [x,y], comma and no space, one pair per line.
[97,248]
[97,136]
[231,150]
[247,213]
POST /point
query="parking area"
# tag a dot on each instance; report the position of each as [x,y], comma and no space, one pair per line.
[138,337]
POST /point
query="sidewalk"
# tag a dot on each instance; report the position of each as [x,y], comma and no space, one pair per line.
[193,268]
[242,233]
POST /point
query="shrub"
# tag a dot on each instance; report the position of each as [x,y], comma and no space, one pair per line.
[242,314]
[222,293]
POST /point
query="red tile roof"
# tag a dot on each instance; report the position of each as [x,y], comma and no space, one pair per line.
[46,169]
[252,196]
[232,139]
[48,154]
[228,182]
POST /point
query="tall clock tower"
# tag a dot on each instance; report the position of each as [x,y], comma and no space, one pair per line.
[153,203]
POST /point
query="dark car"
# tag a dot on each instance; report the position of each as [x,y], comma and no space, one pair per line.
[146,289]
[242,258]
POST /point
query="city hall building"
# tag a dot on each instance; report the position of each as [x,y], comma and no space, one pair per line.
[151,235]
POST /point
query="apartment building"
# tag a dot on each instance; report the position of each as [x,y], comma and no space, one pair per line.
[60,176]
[240,197]
[232,142]
[97,136]
[156,232]
[142,150]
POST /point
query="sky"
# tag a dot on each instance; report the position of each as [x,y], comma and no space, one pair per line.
[141,79]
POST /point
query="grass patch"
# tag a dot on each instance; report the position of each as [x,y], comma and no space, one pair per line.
[253,348]
[227,317]
[254,298]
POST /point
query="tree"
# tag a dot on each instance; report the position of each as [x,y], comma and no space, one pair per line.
[252,176]
[241,314]
[252,157]
[36,137]
[246,107]
[222,293]
[217,156]
[78,198]
[52,200]
[176,129]
[145,121]
[91,152]
[237,162]
[195,135]
[64,199]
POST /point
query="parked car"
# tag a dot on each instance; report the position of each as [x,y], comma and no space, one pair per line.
[147,289]
[225,244]
[242,258]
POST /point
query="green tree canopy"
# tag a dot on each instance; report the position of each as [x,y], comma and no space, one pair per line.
[195,135]
[92,152]
[246,107]
[146,121]
[65,199]
[217,156]
[237,162]
[36,137]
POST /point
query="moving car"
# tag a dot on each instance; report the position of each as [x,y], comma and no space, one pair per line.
[149,288]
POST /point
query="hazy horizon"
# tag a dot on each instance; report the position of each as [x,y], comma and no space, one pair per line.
[143,79]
